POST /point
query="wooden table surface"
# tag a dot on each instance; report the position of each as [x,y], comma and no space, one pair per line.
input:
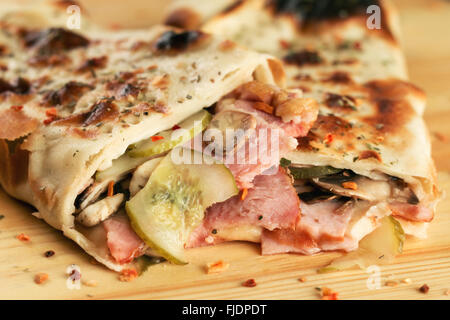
[426,24]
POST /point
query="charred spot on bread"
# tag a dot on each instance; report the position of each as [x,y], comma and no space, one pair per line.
[102,111]
[307,10]
[392,109]
[19,86]
[304,57]
[172,41]
[68,94]
[53,40]
[340,102]
[93,63]
[339,77]
[183,18]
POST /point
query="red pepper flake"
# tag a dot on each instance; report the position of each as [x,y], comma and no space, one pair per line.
[128,275]
[49,253]
[328,294]
[49,120]
[51,112]
[17,108]
[176,127]
[244,194]
[250,283]
[156,138]
[23,237]
[284,44]
[350,185]
[424,289]
[357,45]
[217,267]
[111,188]
[40,278]
[328,139]
[441,137]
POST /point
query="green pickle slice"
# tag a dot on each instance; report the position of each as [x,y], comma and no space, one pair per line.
[312,172]
[380,246]
[169,139]
[174,200]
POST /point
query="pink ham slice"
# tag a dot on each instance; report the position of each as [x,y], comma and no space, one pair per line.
[272,203]
[411,212]
[320,228]
[123,243]
[267,155]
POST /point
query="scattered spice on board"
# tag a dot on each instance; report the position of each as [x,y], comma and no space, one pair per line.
[328,294]
[302,279]
[447,292]
[250,283]
[90,283]
[1,216]
[217,267]
[407,281]
[23,237]
[424,289]
[128,275]
[40,278]
[391,283]
[49,253]
[441,137]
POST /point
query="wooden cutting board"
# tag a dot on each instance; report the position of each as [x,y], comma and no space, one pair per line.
[427,47]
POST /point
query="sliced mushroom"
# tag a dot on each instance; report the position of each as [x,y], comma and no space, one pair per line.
[142,174]
[230,129]
[91,194]
[366,189]
[100,211]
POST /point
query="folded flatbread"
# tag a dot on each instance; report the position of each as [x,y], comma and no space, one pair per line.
[72,105]
[368,155]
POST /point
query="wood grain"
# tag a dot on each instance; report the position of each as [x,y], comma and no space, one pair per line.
[425,24]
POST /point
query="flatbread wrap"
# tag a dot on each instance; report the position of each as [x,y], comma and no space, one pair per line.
[368,156]
[88,120]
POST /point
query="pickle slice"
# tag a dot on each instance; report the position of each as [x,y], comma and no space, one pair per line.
[120,168]
[174,200]
[312,172]
[169,139]
[380,246]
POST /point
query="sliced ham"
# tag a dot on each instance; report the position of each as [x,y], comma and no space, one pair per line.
[411,212]
[326,226]
[271,140]
[14,123]
[271,204]
[320,223]
[123,243]
[285,241]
